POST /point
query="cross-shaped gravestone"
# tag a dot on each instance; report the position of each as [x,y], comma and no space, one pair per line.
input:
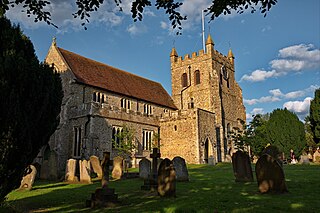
[105,169]
[155,155]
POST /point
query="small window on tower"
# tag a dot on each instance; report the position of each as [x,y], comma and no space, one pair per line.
[197,77]
[184,80]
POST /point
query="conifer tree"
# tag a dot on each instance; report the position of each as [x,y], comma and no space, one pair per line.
[286,131]
[30,101]
[315,117]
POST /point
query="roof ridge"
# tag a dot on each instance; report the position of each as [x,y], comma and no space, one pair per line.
[109,66]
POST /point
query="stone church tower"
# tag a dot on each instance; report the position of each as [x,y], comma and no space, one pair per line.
[209,103]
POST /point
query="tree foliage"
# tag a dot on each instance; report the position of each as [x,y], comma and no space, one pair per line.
[171,7]
[315,117]
[30,101]
[124,142]
[286,131]
[281,129]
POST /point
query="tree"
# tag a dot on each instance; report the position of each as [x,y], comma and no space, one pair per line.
[124,141]
[286,131]
[311,145]
[315,117]
[30,101]
[86,7]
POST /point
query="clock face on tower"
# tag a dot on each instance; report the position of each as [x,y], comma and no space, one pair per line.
[224,72]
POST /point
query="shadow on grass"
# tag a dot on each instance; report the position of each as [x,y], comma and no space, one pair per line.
[210,189]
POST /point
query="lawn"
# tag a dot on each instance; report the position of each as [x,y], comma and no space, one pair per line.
[210,189]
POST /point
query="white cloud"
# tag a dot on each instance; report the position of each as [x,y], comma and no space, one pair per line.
[254,112]
[301,108]
[193,9]
[267,28]
[259,75]
[137,28]
[61,14]
[277,95]
[163,25]
[296,58]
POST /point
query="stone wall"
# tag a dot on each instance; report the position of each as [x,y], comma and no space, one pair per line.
[179,136]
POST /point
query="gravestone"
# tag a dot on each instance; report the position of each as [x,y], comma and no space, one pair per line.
[104,196]
[316,156]
[117,167]
[52,164]
[44,171]
[96,166]
[270,175]
[152,182]
[180,167]
[211,160]
[242,169]
[28,178]
[144,168]
[166,179]
[84,166]
[304,159]
[71,171]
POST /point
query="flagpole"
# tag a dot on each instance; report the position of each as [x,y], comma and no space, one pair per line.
[203,36]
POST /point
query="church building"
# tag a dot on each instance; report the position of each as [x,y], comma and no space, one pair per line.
[100,100]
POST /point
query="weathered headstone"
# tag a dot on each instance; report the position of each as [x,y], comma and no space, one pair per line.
[166,179]
[104,196]
[29,177]
[270,175]
[53,167]
[117,167]
[144,168]
[242,169]
[44,172]
[304,159]
[96,166]
[85,171]
[71,171]
[316,156]
[211,160]
[180,167]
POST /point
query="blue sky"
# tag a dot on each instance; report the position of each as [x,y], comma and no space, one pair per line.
[277,58]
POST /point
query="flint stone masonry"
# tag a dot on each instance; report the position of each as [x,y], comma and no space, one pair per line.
[194,127]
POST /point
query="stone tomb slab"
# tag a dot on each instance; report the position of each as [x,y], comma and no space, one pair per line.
[242,169]
[270,175]
[180,167]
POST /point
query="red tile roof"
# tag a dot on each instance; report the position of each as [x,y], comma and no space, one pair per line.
[100,75]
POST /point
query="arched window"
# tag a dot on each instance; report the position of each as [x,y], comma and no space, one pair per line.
[184,80]
[197,77]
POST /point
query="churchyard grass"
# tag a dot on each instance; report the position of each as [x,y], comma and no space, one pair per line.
[210,189]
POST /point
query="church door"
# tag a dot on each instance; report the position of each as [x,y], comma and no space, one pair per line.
[206,151]
[218,144]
